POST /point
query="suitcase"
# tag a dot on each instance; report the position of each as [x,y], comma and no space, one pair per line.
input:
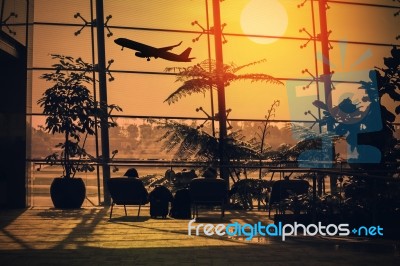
[159,199]
[181,205]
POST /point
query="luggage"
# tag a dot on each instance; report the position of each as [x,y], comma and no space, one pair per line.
[159,199]
[181,205]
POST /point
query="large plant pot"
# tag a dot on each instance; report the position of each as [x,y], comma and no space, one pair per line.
[67,193]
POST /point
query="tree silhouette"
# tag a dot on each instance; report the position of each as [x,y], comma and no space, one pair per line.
[197,79]
[363,129]
[133,132]
[71,110]
[190,142]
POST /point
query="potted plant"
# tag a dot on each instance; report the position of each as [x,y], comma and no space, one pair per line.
[71,110]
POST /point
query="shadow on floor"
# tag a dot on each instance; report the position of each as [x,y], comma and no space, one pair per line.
[283,254]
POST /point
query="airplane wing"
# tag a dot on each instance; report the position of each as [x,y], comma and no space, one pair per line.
[183,57]
[167,48]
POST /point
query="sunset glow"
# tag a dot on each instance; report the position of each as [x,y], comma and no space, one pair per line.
[264,18]
[284,56]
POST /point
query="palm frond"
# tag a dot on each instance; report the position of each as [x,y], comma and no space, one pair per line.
[259,77]
[240,149]
[191,143]
[310,140]
[189,87]
[238,68]
[203,76]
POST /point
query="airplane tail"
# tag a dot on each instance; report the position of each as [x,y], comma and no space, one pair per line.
[185,54]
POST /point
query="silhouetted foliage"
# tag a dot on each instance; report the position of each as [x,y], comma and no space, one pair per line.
[369,199]
[72,111]
[199,79]
[363,129]
[192,143]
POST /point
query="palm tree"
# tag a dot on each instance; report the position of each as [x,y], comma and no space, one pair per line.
[193,143]
[200,78]
[197,79]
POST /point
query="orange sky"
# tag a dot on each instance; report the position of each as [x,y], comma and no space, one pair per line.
[144,94]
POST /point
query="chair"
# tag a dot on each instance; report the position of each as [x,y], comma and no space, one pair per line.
[208,191]
[283,189]
[127,191]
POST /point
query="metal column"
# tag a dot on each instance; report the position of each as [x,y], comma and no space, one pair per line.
[324,38]
[325,55]
[220,90]
[101,68]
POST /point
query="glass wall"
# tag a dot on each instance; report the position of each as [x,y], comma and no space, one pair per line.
[283,36]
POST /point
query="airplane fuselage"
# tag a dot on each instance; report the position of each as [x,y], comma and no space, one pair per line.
[147,51]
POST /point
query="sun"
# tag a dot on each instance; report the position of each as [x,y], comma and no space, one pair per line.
[264,17]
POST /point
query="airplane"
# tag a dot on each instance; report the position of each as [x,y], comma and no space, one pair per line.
[147,51]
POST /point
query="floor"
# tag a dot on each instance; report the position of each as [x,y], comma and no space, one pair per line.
[46,236]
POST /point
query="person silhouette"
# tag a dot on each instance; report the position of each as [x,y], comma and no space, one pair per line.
[210,173]
[132,173]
